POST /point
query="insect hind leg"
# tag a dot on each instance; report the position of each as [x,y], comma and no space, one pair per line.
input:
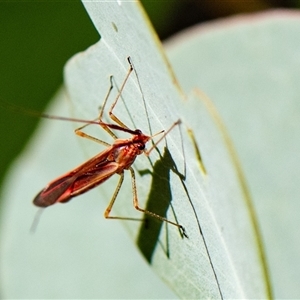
[150,213]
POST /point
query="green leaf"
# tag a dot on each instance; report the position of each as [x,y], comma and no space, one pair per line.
[208,194]
[250,67]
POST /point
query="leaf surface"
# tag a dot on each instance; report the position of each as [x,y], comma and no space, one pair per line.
[207,197]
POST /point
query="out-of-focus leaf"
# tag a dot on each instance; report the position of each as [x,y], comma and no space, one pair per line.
[250,67]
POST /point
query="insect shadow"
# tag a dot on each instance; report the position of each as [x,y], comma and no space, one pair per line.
[150,228]
[148,237]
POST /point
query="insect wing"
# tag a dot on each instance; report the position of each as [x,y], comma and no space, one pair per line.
[86,176]
[91,179]
[54,191]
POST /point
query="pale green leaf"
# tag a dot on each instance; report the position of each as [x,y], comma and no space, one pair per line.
[209,199]
[250,67]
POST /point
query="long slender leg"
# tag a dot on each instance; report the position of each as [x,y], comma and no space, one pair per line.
[105,99]
[111,114]
[89,137]
[141,90]
[102,110]
[147,152]
[79,132]
[99,118]
[113,199]
[152,214]
[112,202]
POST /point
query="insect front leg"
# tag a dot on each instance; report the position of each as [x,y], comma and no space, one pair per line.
[165,133]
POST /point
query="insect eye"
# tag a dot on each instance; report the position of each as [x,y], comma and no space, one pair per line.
[141,146]
[137,131]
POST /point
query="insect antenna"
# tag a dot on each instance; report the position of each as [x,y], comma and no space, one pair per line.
[34,113]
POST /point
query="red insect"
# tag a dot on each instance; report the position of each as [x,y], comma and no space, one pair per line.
[113,160]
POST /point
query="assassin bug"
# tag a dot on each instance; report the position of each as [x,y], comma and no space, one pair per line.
[116,158]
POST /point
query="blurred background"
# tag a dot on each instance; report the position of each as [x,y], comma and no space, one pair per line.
[38,37]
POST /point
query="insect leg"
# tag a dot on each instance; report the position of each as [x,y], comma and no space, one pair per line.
[112,201]
[147,152]
[152,214]
[79,131]
[111,114]
[102,110]
[105,99]
[92,138]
